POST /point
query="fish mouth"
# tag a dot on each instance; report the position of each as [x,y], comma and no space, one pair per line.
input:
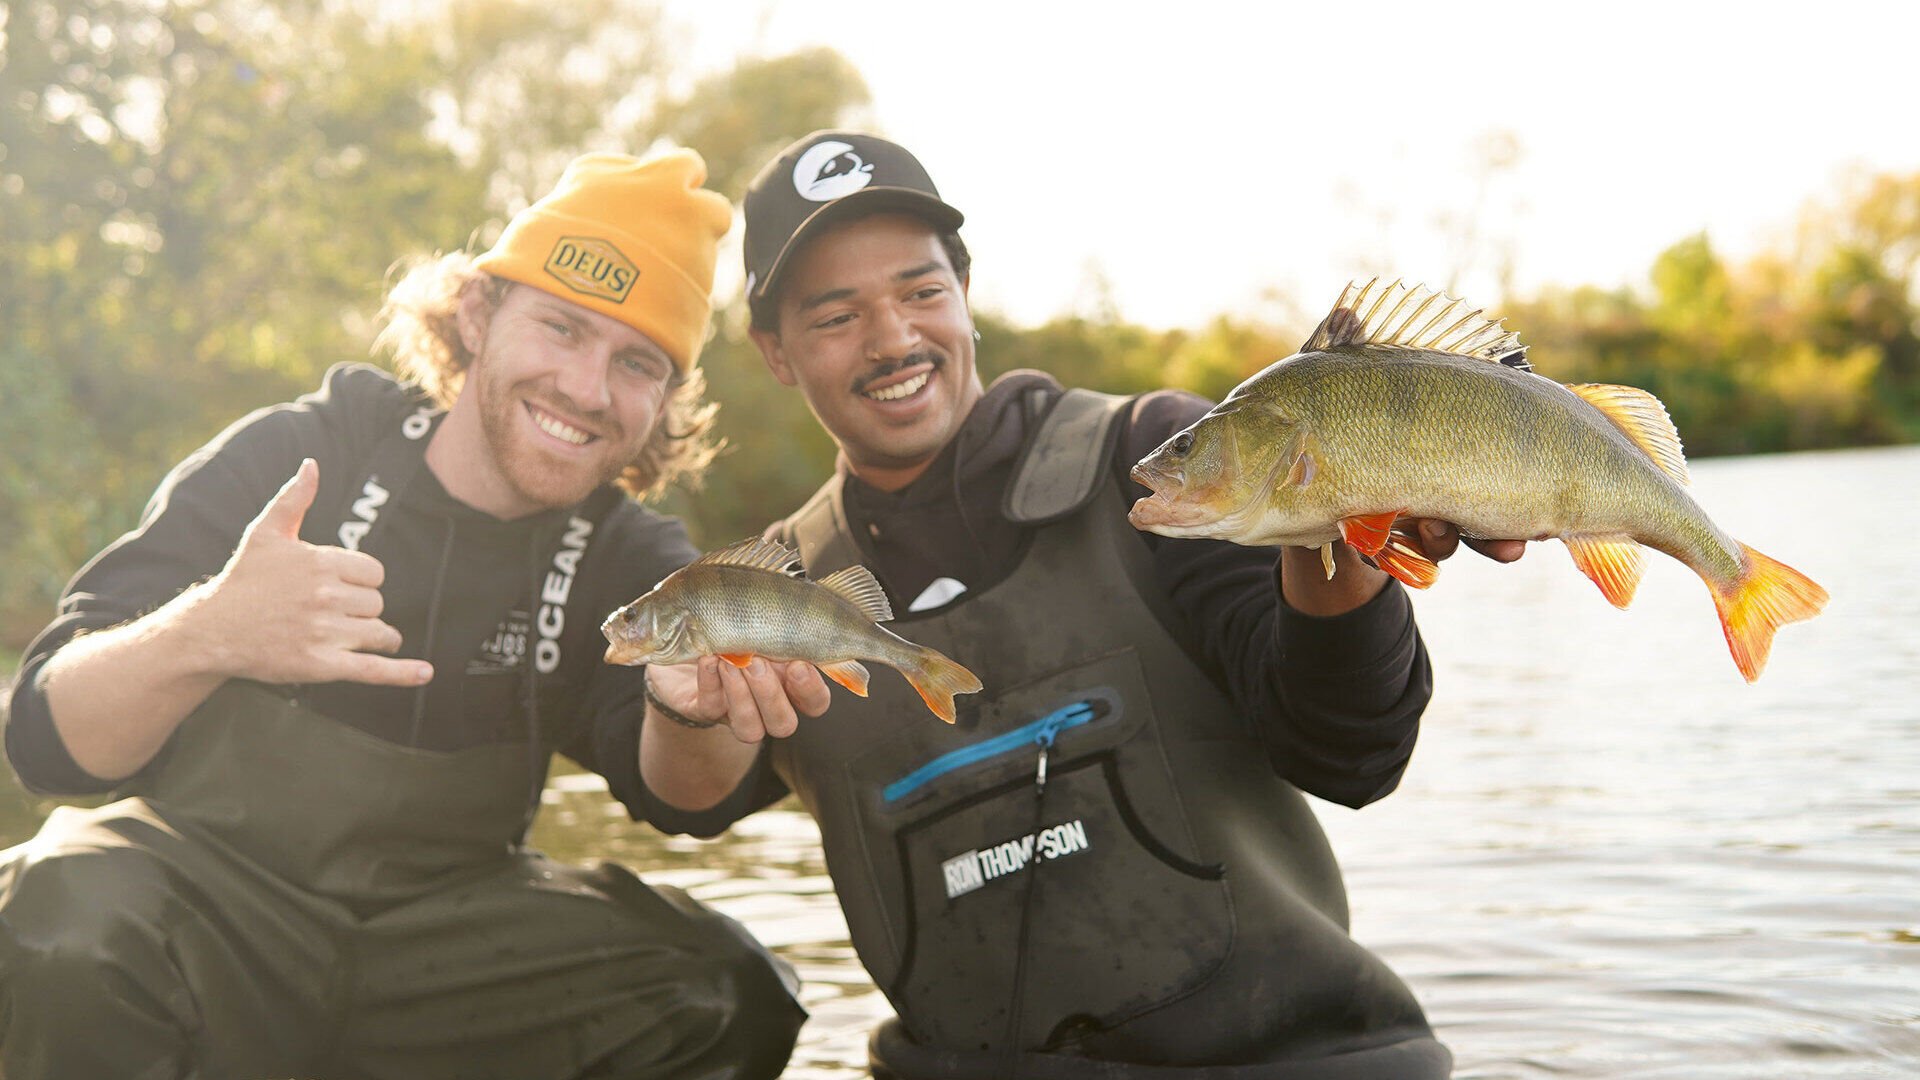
[1164,510]
[1157,513]
[624,654]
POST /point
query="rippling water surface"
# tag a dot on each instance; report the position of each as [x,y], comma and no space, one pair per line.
[1611,858]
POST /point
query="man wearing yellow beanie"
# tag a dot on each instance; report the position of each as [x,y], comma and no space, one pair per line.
[324,678]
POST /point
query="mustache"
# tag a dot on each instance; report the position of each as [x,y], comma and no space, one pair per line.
[880,371]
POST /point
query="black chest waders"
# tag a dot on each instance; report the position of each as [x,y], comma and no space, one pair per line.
[1095,872]
[284,894]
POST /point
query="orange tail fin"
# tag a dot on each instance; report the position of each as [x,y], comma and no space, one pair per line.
[938,679]
[1769,596]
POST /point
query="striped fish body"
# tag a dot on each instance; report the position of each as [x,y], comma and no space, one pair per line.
[1404,405]
[1499,451]
[734,611]
[751,599]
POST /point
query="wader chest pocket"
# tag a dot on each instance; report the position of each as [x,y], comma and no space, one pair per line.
[1124,915]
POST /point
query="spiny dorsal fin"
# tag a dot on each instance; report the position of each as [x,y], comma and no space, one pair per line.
[1644,420]
[756,553]
[1405,316]
[856,584]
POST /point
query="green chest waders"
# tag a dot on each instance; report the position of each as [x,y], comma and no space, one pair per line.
[1097,862]
[285,895]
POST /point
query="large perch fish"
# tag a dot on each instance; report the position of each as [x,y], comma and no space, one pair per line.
[751,599]
[1404,404]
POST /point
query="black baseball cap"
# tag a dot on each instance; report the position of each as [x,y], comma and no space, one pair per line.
[818,180]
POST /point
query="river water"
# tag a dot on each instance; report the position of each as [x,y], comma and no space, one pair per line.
[1610,858]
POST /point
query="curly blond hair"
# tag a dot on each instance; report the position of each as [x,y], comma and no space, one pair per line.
[418,323]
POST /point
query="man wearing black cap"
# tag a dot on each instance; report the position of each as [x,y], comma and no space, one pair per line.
[1106,863]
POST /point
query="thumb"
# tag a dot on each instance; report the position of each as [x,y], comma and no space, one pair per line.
[288,508]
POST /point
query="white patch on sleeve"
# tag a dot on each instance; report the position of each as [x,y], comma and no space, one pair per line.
[938,594]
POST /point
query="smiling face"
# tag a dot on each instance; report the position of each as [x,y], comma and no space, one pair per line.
[872,325]
[558,401]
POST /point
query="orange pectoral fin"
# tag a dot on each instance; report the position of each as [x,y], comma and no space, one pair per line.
[851,674]
[1614,564]
[1401,560]
[1368,533]
[737,659]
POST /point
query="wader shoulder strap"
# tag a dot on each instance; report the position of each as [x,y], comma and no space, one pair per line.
[571,558]
[819,531]
[395,458]
[1062,463]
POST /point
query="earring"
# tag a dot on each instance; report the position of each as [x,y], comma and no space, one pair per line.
[976,333]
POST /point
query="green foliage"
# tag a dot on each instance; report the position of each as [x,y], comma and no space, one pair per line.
[1809,348]
[740,119]
[200,200]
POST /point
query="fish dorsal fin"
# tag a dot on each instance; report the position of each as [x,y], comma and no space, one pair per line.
[1403,316]
[756,553]
[1644,420]
[856,583]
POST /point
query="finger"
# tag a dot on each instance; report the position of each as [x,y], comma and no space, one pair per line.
[805,688]
[355,567]
[363,667]
[288,508]
[712,693]
[1438,539]
[372,635]
[742,714]
[356,602]
[1505,551]
[770,697]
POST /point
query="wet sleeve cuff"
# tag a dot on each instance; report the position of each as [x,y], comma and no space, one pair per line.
[759,788]
[1376,638]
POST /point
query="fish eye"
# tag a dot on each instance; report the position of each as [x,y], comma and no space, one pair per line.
[1181,443]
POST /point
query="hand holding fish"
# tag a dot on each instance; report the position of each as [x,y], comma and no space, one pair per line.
[764,699]
[1404,404]
[1310,588]
[1439,539]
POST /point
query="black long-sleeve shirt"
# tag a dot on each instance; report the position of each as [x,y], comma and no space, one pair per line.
[1337,698]
[466,591]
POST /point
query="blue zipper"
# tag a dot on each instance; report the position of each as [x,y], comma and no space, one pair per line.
[1041,732]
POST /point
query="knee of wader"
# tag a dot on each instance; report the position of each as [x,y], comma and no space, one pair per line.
[761,987]
[753,1003]
[67,915]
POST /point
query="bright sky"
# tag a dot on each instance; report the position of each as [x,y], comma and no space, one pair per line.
[1204,157]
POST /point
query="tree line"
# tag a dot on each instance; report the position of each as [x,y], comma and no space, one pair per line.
[198,200]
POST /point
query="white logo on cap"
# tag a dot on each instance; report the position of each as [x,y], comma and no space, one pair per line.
[830,170]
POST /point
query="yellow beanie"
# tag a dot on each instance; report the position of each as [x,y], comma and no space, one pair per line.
[633,240]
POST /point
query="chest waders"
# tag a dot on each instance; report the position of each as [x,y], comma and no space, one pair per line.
[1097,863]
[284,894]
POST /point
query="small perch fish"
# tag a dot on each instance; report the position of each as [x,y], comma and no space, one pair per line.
[1404,404]
[752,599]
